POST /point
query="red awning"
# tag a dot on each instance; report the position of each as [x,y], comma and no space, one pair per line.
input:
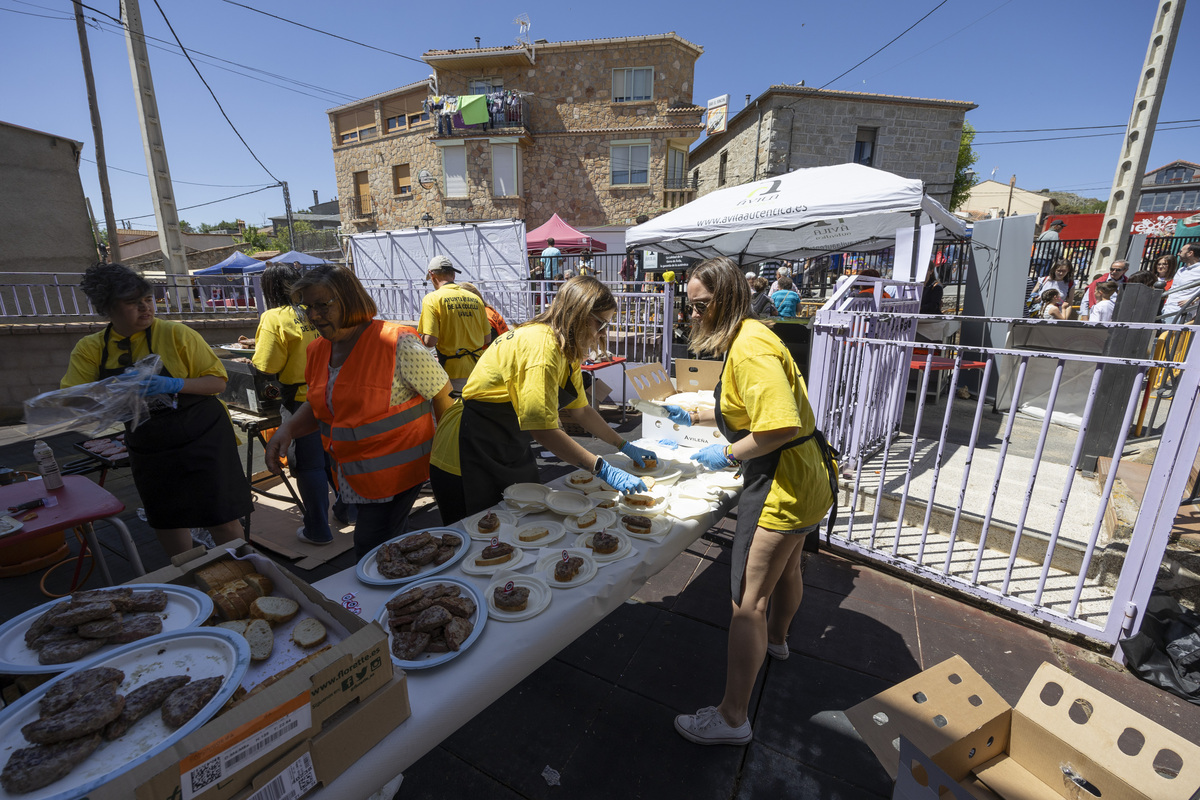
[566,238]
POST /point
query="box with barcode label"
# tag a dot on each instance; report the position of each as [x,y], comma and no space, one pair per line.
[221,759]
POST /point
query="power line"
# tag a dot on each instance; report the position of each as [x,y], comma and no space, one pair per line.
[1085,127]
[211,202]
[1080,136]
[935,44]
[31,14]
[173,180]
[211,92]
[877,52]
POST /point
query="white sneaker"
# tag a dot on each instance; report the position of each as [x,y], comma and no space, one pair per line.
[707,726]
[778,652]
[302,536]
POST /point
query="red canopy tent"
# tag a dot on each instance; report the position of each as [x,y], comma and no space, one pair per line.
[566,238]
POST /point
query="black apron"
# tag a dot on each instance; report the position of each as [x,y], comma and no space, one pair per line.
[493,451]
[185,459]
[758,474]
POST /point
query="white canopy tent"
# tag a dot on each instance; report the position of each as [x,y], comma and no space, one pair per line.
[483,251]
[805,213]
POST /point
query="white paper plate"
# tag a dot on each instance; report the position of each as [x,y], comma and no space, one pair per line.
[427,660]
[545,567]
[688,507]
[186,608]
[368,572]
[526,493]
[697,490]
[471,524]
[725,479]
[661,504]
[539,597]
[605,517]
[519,510]
[568,503]
[9,525]
[556,532]
[669,475]
[623,549]
[592,484]
[659,526]
[520,558]
[601,496]
[200,653]
[236,349]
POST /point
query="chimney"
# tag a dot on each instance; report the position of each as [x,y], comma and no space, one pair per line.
[747,99]
[316,202]
[476,42]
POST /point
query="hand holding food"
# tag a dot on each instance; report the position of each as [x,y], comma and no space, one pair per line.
[639,454]
[621,480]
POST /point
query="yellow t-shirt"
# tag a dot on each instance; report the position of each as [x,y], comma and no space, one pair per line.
[524,367]
[456,317]
[184,353]
[280,345]
[762,390]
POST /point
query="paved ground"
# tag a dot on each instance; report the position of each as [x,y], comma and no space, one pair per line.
[600,713]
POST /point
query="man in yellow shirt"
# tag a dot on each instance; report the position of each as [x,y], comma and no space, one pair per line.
[453,322]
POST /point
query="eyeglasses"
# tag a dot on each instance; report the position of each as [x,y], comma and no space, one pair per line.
[125,359]
[700,306]
[1116,270]
[601,323]
[319,308]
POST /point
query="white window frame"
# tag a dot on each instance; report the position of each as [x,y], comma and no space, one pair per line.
[627,74]
[485,84]
[448,189]
[680,174]
[512,167]
[628,145]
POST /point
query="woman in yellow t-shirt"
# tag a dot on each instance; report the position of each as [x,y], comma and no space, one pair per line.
[514,396]
[762,408]
[280,347]
[184,458]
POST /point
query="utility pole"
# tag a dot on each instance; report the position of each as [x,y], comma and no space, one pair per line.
[165,210]
[287,207]
[1012,184]
[110,220]
[1139,135]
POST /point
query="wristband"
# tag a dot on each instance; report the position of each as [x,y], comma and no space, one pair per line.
[733,462]
[695,416]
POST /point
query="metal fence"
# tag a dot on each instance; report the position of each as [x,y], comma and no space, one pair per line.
[28,295]
[995,507]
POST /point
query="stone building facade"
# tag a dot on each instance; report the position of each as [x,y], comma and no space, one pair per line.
[565,144]
[790,127]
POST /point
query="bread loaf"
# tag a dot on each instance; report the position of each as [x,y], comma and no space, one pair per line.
[212,577]
[308,632]
[262,583]
[261,639]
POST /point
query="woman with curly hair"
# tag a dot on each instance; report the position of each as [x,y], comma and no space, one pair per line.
[514,396]
[184,457]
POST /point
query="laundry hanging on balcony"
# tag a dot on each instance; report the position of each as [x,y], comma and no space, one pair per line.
[474,109]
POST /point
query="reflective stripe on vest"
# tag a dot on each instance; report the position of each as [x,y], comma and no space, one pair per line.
[388,461]
[343,434]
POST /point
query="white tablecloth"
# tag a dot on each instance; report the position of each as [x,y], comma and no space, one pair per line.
[446,697]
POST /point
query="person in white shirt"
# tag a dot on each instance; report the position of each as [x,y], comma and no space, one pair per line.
[1103,310]
[1186,284]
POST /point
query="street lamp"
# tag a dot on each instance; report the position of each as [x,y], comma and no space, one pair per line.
[427,218]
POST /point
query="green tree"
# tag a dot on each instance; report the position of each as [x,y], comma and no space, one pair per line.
[964,176]
[282,242]
[255,238]
[185,226]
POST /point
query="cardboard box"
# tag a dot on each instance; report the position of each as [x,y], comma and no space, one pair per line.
[652,383]
[344,738]
[1064,739]
[219,760]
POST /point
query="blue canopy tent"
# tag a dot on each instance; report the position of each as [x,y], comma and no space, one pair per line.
[296,257]
[236,264]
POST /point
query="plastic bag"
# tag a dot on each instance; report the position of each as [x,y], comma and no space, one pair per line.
[92,408]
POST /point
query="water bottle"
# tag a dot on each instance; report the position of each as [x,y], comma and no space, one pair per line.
[47,465]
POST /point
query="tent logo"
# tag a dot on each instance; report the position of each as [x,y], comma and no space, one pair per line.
[762,194]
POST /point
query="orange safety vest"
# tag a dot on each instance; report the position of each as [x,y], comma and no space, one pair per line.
[380,449]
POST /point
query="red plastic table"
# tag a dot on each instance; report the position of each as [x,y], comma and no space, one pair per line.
[615,360]
[80,503]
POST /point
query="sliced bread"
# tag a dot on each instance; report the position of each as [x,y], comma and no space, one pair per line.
[235,625]
[261,639]
[261,583]
[274,609]
[308,632]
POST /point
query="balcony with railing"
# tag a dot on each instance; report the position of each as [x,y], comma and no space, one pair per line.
[678,190]
[361,208]
[511,116]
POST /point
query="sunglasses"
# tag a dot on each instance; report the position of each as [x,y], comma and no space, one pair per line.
[700,306]
[601,323]
[125,359]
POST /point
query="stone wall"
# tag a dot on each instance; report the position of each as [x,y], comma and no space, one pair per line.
[570,123]
[912,139]
[37,354]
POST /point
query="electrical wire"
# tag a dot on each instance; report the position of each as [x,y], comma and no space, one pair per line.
[176,180]
[31,14]
[877,52]
[1080,136]
[214,95]
[939,41]
[1085,127]
[210,202]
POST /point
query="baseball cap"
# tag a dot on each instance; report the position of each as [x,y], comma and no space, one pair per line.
[441,264]
[1059,222]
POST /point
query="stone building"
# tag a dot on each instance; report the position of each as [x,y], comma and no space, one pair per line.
[596,130]
[790,127]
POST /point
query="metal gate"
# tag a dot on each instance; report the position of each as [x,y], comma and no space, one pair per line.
[985,497]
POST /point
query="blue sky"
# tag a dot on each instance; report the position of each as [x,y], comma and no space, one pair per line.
[1027,64]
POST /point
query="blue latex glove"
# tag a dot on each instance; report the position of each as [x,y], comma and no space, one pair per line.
[638,454]
[712,457]
[678,415]
[161,384]
[621,480]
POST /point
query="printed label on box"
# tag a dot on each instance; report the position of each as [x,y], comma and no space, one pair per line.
[292,783]
[224,757]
